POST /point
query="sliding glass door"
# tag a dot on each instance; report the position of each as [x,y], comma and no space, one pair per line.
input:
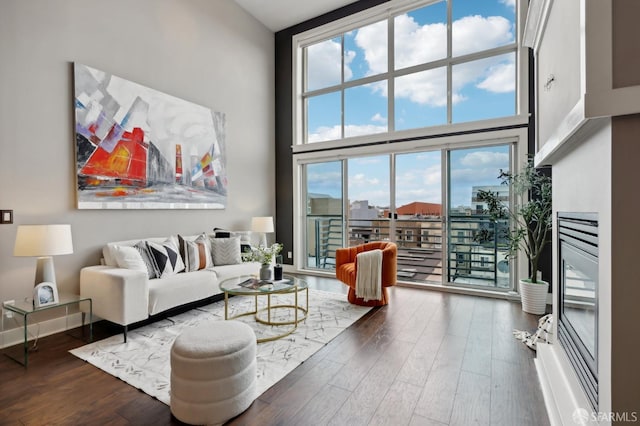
[368,189]
[418,216]
[324,213]
[475,245]
[442,237]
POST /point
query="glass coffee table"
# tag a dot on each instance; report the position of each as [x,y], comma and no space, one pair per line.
[247,285]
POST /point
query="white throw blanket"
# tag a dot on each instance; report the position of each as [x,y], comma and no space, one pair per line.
[369,275]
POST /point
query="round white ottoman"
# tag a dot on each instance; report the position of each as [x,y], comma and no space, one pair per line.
[213,372]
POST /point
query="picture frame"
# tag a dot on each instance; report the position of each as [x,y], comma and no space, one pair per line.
[45,294]
[139,148]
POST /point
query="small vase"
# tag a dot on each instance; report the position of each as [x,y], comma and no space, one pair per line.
[265,272]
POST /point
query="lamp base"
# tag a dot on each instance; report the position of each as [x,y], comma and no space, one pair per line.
[45,271]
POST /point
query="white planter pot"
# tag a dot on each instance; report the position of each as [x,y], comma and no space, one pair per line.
[534,296]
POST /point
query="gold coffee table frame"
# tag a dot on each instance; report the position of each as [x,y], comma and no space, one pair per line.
[289,284]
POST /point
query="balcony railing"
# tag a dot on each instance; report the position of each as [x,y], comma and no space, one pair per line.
[420,247]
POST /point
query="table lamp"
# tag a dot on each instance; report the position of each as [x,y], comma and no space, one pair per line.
[263,224]
[43,241]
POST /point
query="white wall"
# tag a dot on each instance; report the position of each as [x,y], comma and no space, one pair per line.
[208,52]
[582,183]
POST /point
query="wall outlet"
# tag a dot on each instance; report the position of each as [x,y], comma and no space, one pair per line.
[289,255]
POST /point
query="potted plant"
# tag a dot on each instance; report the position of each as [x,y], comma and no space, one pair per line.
[530,220]
[264,255]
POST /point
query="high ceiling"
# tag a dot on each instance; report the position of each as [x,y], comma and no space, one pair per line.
[280,14]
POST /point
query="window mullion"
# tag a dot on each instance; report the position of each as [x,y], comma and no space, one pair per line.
[449,68]
[342,88]
[392,196]
[391,113]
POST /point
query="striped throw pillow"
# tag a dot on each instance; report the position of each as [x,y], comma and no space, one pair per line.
[141,246]
[195,254]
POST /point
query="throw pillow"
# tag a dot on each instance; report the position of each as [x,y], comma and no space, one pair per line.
[195,254]
[166,258]
[221,233]
[129,258]
[141,246]
[226,251]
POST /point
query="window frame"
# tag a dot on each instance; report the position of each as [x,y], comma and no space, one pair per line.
[388,11]
[516,136]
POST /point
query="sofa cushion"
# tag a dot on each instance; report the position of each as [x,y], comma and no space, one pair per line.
[165,257]
[226,251]
[178,289]
[230,271]
[129,258]
[196,254]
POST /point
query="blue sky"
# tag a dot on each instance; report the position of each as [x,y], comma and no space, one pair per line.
[481,89]
[418,176]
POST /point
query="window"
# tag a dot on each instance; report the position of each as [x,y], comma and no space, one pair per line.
[442,63]
[401,113]
[398,197]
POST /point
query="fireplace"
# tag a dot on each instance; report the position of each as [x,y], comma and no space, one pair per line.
[578,296]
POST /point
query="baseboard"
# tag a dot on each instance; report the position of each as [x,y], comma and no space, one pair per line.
[547,393]
[14,336]
[562,393]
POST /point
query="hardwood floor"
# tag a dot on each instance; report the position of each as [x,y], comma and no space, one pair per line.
[428,358]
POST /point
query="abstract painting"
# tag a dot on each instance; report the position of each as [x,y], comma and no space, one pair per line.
[138,148]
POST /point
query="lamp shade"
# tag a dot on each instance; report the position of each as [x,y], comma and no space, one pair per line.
[262,224]
[43,240]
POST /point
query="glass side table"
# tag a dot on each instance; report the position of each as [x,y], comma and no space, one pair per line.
[25,309]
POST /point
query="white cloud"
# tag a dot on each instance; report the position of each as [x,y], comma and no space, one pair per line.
[361,180]
[495,74]
[486,159]
[419,184]
[369,160]
[351,130]
[424,43]
[476,168]
[373,40]
[501,78]
[424,88]
[509,3]
[325,182]
[475,33]
[378,118]
[324,64]
[324,133]
[416,44]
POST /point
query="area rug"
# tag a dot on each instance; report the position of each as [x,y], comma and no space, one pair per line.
[143,362]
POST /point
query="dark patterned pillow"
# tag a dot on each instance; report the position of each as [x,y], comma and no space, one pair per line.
[141,246]
[226,251]
[221,233]
[195,254]
[165,258]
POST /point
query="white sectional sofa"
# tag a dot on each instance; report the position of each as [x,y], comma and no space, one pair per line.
[127,295]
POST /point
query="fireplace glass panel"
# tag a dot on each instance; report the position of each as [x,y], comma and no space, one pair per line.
[580,277]
[578,296]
